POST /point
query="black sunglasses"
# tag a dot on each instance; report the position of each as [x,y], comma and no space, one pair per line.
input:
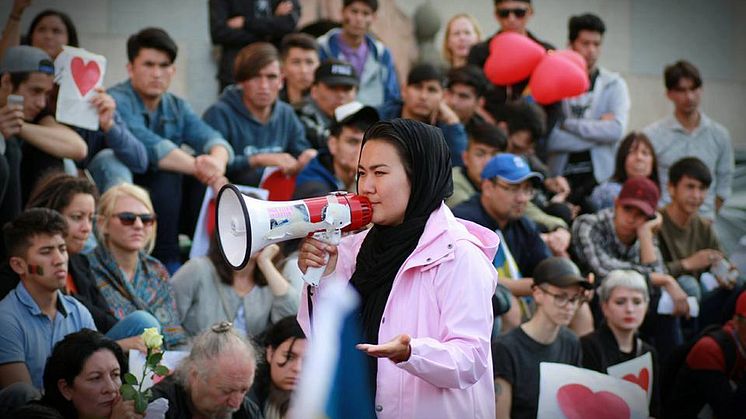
[518,12]
[129,218]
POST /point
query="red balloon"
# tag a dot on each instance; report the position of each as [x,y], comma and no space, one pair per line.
[574,57]
[512,58]
[557,77]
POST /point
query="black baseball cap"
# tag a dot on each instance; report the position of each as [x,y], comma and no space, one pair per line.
[336,73]
[560,272]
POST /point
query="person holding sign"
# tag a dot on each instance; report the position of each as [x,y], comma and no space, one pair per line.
[558,291]
[624,302]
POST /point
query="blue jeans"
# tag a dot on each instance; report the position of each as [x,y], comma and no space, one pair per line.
[133,325]
[107,170]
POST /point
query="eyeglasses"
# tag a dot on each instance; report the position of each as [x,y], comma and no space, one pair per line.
[518,12]
[527,191]
[561,300]
[129,218]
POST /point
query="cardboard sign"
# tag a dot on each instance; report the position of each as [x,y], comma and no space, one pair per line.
[78,72]
[570,392]
[638,371]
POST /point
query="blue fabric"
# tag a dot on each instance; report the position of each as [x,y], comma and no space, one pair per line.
[521,235]
[316,172]
[283,132]
[170,125]
[378,81]
[28,335]
[107,170]
[454,134]
[119,140]
[133,325]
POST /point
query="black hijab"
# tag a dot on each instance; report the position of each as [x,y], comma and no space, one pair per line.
[427,161]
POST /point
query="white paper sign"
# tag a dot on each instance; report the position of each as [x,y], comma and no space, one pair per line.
[665,304]
[638,371]
[79,73]
[570,392]
[201,241]
[171,360]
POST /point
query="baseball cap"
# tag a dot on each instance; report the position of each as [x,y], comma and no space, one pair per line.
[641,193]
[741,304]
[26,59]
[336,73]
[345,113]
[509,168]
[560,272]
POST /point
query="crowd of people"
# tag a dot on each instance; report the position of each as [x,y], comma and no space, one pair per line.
[504,233]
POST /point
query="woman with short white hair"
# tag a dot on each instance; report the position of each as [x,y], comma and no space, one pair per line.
[624,301]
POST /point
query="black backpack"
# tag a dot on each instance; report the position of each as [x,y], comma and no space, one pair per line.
[677,359]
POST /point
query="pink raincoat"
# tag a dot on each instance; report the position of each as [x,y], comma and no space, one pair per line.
[441,297]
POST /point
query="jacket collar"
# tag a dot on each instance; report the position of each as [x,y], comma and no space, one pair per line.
[25,298]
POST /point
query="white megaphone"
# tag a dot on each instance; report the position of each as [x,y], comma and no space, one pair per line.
[246,225]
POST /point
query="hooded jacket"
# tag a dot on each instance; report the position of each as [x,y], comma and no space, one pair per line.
[282,133]
[441,297]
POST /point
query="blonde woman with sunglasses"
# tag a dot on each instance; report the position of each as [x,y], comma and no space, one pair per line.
[127,276]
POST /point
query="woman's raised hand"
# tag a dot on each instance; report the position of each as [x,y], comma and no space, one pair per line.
[313,253]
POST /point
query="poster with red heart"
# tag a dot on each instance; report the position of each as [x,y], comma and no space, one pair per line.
[78,73]
[638,370]
[570,392]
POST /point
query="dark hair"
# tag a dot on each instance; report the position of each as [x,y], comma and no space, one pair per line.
[297,40]
[36,410]
[32,222]
[373,4]
[691,167]
[56,190]
[585,22]
[424,72]
[225,272]
[469,75]
[522,115]
[68,359]
[72,33]
[632,140]
[19,77]
[681,69]
[252,59]
[485,133]
[155,38]
[286,328]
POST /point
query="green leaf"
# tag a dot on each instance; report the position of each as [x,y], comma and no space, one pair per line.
[127,391]
[154,359]
[161,370]
[140,403]
[148,394]
[129,378]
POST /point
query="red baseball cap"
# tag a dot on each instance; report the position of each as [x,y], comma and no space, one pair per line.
[640,192]
[741,304]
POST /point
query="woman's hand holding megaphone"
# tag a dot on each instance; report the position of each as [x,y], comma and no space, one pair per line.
[313,254]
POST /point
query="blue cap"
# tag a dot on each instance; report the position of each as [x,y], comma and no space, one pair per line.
[509,168]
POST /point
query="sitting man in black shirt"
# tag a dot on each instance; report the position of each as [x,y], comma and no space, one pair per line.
[558,290]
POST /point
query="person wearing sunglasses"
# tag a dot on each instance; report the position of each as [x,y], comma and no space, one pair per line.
[127,276]
[558,290]
[512,16]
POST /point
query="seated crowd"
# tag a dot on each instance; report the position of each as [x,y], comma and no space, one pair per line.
[607,247]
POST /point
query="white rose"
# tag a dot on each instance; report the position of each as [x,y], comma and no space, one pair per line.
[152,338]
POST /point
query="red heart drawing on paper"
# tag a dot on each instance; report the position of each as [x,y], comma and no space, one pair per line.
[642,379]
[85,75]
[579,402]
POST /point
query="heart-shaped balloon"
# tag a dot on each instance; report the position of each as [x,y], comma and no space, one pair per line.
[557,77]
[574,57]
[579,402]
[512,58]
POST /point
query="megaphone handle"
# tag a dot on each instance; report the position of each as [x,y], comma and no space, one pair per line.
[313,274]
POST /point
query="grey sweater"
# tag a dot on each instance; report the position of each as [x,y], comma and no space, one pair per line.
[202,299]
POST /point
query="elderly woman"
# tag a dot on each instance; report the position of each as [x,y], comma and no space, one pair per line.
[624,302]
[129,278]
[213,380]
[425,279]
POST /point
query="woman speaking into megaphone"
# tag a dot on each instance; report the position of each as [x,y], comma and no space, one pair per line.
[425,279]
